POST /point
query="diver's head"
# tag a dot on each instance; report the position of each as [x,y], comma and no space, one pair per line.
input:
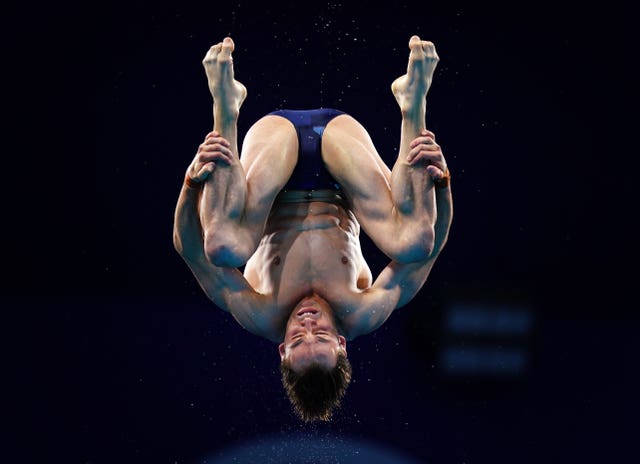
[314,365]
[311,336]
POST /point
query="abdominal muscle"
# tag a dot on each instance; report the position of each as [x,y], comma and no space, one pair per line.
[309,248]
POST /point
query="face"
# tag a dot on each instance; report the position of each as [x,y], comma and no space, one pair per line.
[311,336]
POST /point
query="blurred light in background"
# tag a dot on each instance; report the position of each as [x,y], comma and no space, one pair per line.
[485,340]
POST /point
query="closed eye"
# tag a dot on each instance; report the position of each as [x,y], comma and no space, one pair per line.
[320,337]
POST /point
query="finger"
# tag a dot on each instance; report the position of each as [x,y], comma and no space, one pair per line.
[425,157]
[205,171]
[202,173]
[216,155]
[216,139]
[435,172]
[426,138]
[214,134]
[422,149]
[217,148]
[211,135]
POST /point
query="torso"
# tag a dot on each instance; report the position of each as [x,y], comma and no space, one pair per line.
[309,247]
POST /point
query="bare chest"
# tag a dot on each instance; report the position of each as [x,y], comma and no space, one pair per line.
[321,260]
[312,253]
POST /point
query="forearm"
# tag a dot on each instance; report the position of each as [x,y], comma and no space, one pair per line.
[444,207]
[187,230]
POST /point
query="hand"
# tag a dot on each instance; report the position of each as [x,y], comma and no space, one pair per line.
[424,149]
[214,149]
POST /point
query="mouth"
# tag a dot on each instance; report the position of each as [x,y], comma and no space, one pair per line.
[307,312]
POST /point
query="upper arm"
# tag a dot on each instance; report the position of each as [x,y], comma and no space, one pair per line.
[230,291]
[396,285]
[218,283]
[373,309]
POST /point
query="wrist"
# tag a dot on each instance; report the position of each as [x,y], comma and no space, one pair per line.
[444,181]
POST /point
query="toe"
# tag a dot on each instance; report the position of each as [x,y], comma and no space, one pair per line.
[228,42]
[415,40]
[227,47]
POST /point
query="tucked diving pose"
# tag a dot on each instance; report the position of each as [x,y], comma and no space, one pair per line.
[289,208]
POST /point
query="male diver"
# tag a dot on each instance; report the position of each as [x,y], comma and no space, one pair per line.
[289,209]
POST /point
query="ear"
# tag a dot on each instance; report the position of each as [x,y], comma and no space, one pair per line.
[281,350]
[343,343]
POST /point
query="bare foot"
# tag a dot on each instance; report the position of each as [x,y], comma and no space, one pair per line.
[228,94]
[411,89]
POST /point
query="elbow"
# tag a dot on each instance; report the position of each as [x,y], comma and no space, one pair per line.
[439,245]
[177,243]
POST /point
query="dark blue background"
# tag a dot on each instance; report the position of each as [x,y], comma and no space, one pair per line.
[121,358]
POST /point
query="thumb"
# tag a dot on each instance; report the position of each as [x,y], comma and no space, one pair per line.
[434,172]
[205,171]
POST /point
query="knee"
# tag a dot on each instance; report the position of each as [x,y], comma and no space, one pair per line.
[416,246]
[225,253]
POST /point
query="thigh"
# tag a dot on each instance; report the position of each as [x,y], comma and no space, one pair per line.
[269,154]
[352,159]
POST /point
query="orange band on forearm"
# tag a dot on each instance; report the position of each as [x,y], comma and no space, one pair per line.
[444,181]
[193,184]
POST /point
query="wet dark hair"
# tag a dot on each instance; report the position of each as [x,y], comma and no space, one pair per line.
[316,392]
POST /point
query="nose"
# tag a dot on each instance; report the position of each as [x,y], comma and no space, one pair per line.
[308,323]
